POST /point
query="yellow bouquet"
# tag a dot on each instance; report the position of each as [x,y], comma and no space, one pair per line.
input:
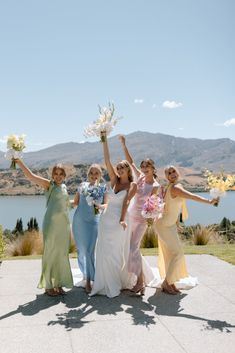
[219,184]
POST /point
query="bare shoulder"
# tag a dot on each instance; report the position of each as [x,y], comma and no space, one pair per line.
[178,186]
[177,189]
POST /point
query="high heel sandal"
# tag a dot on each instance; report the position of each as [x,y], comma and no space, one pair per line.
[139,290]
[51,292]
[61,291]
[168,289]
[175,288]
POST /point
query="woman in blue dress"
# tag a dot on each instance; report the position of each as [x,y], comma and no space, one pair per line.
[90,200]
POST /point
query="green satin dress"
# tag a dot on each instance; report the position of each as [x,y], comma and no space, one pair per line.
[56,271]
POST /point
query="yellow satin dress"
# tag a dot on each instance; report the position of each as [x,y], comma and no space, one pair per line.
[171,260]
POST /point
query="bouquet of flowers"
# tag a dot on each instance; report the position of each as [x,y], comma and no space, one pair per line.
[15,146]
[93,195]
[153,208]
[219,184]
[104,123]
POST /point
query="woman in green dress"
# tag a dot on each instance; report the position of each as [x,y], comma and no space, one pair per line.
[56,271]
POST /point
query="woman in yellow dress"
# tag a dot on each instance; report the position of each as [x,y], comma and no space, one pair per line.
[171,262]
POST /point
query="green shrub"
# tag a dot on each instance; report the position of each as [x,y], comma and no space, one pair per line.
[149,239]
[30,243]
[2,243]
[201,234]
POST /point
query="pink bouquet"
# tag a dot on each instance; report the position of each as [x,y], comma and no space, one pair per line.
[153,207]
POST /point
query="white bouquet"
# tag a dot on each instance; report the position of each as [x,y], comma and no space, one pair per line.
[15,146]
[104,123]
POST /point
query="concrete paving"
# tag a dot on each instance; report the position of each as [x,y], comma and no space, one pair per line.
[199,320]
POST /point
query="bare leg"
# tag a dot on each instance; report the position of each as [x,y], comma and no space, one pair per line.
[88,286]
[139,287]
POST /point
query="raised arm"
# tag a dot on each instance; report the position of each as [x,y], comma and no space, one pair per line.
[111,172]
[178,190]
[131,192]
[45,183]
[128,156]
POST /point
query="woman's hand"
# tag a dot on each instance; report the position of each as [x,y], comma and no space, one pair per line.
[215,201]
[123,224]
[122,139]
[103,136]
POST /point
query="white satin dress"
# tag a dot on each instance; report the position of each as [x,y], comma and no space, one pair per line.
[112,250]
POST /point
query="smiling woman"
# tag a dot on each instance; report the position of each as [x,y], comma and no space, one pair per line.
[56,271]
[171,259]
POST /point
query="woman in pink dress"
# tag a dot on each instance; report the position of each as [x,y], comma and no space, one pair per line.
[147,185]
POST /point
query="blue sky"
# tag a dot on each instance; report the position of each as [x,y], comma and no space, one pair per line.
[168,66]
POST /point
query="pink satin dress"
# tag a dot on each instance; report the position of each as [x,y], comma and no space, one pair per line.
[138,224]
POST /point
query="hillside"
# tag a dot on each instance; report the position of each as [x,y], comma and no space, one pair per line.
[191,153]
[13,182]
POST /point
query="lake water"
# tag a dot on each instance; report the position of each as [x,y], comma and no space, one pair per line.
[13,207]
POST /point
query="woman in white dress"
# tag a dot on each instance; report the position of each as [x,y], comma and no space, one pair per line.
[113,242]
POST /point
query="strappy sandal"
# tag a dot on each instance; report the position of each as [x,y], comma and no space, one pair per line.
[139,289]
[168,289]
[51,292]
[61,291]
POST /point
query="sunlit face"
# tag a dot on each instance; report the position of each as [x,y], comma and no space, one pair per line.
[122,170]
[172,175]
[146,169]
[58,176]
[94,175]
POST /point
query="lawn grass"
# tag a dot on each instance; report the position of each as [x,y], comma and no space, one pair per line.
[224,252]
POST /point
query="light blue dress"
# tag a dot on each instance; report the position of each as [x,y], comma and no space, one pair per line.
[85,227]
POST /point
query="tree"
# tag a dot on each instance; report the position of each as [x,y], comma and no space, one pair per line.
[35,224]
[32,224]
[18,227]
[225,224]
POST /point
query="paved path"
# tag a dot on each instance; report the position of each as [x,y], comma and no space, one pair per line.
[201,320]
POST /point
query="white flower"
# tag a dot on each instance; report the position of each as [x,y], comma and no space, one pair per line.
[105,122]
[89,200]
[15,146]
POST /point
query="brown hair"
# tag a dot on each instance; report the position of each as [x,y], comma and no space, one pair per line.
[151,164]
[60,167]
[126,164]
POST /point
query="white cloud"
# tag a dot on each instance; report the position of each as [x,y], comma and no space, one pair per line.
[154,106]
[229,122]
[138,101]
[181,128]
[171,104]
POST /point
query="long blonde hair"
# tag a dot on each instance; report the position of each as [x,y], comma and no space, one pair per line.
[95,166]
[166,170]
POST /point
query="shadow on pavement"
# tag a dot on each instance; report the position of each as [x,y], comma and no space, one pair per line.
[169,305]
[81,306]
[42,302]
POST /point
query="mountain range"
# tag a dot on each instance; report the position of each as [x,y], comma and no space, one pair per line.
[192,153]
